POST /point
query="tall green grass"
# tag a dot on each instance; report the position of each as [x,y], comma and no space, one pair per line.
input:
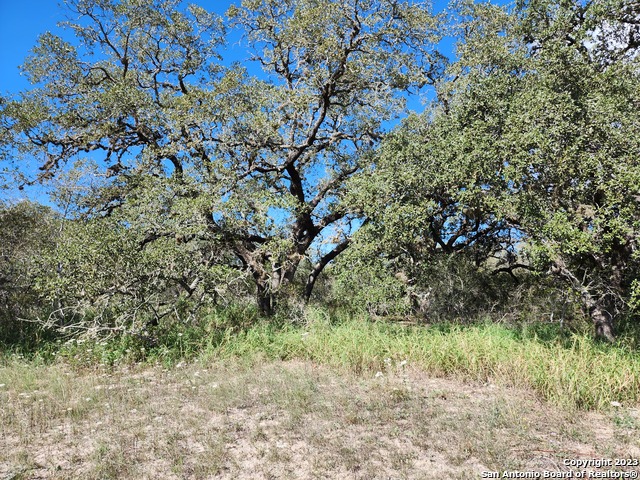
[570,370]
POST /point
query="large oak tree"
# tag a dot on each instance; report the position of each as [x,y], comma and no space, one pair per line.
[530,156]
[193,147]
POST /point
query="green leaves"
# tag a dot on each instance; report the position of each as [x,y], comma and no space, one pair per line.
[255,167]
[526,158]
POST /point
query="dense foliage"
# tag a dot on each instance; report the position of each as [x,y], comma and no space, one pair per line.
[27,231]
[528,160]
[198,184]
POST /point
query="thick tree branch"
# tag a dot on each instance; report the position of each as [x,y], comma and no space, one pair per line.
[320,265]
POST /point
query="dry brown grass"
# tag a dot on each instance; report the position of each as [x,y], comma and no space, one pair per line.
[284,420]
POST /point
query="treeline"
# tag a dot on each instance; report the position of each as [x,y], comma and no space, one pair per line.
[188,183]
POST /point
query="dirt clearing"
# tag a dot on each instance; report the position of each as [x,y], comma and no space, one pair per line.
[286,420]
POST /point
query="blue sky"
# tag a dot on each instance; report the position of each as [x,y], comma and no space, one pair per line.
[20,24]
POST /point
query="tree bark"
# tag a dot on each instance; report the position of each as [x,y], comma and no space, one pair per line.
[601,318]
[603,323]
[265,299]
[318,267]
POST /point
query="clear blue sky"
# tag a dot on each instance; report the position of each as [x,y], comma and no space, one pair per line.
[20,24]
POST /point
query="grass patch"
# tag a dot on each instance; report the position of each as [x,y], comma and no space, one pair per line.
[568,369]
[572,371]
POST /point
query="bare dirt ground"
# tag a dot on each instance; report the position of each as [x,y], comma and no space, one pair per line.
[286,420]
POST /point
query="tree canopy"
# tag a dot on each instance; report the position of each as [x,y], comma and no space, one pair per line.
[529,159]
[525,160]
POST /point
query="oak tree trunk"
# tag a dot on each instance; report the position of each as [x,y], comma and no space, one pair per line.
[602,322]
[598,313]
[265,300]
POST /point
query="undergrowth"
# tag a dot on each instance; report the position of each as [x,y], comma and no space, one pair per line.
[569,369]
